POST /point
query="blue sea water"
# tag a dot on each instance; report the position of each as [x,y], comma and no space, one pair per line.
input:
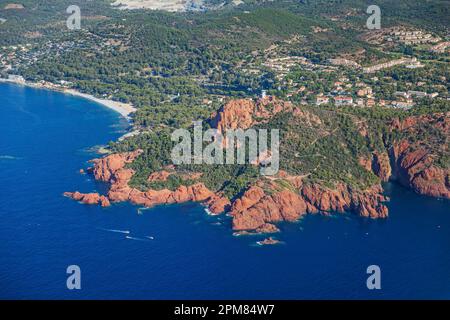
[46,137]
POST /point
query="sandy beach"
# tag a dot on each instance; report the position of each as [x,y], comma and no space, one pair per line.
[125,109]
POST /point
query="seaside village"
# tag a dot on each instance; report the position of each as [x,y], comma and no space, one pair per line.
[338,81]
[348,92]
[341,81]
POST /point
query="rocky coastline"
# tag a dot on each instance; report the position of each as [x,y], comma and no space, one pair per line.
[264,204]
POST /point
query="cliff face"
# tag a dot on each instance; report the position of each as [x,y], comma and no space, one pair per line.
[414,163]
[367,203]
[381,165]
[245,113]
[105,168]
[257,208]
[415,169]
[412,166]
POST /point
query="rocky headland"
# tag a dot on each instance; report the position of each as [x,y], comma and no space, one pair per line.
[287,196]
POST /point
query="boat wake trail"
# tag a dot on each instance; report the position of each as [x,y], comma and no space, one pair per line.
[115,230]
[8,157]
[135,238]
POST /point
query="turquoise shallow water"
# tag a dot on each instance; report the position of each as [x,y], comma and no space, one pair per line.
[46,138]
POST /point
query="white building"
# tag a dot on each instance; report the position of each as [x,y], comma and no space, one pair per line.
[16,78]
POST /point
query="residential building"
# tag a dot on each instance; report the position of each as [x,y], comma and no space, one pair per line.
[322,100]
[16,78]
[343,101]
[418,94]
[370,102]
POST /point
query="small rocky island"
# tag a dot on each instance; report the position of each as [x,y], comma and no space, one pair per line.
[268,241]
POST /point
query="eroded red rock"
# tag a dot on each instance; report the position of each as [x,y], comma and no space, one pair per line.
[88,198]
[415,168]
[159,176]
[244,113]
[255,209]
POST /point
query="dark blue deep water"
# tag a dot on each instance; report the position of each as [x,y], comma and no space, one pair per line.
[46,137]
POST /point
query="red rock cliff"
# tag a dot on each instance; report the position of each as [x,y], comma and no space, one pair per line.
[257,209]
[414,168]
[244,113]
[112,169]
[414,162]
